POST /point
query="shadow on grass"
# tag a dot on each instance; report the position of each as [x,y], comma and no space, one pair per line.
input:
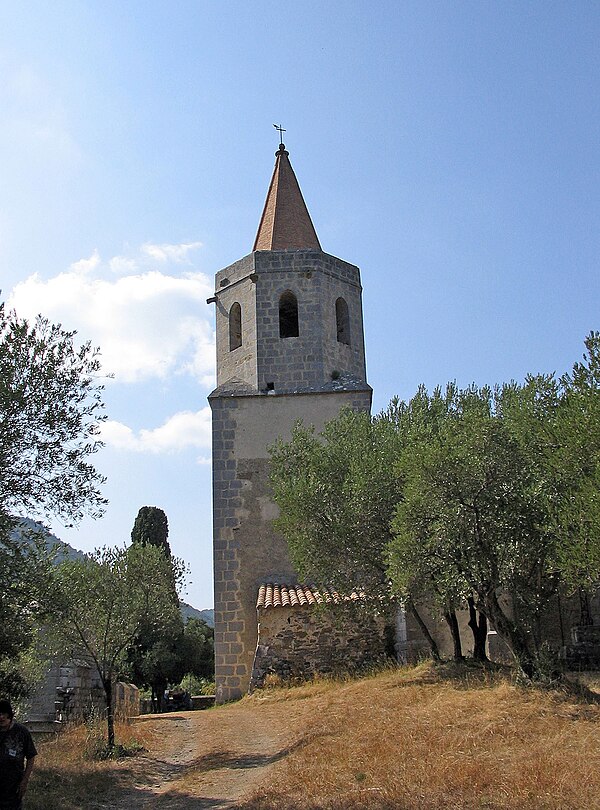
[50,789]
[472,674]
[114,791]
[229,759]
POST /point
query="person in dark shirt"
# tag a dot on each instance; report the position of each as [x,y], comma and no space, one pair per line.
[17,756]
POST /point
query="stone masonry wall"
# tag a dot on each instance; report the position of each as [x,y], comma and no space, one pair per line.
[246,548]
[317,280]
[236,283]
[307,361]
[297,643]
[72,690]
[263,387]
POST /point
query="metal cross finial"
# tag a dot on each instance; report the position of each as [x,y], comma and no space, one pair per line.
[281,130]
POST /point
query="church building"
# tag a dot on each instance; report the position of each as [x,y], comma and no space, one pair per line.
[290,346]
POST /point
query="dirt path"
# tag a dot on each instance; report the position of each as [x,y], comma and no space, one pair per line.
[204,759]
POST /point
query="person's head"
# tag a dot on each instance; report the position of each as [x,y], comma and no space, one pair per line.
[6,714]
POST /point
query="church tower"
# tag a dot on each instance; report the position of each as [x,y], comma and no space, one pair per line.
[290,346]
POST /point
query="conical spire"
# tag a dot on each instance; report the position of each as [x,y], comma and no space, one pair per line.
[285,223]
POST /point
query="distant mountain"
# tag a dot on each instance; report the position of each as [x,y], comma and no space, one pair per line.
[189,612]
[30,528]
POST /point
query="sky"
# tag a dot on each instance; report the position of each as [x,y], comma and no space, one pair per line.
[449,149]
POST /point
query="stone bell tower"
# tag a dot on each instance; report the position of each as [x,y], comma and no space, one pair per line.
[290,347]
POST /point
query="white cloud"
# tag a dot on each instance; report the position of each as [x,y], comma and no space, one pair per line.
[85,266]
[170,253]
[123,266]
[148,324]
[181,431]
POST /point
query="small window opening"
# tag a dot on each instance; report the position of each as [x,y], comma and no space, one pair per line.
[342,320]
[288,315]
[270,386]
[235,327]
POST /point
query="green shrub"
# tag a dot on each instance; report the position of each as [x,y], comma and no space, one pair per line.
[196,686]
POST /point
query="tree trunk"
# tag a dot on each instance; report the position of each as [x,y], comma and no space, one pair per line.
[585,614]
[452,621]
[160,687]
[110,719]
[511,634]
[435,653]
[479,627]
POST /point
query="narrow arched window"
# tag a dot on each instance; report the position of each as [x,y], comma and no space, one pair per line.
[235,326]
[288,315]
[342,321]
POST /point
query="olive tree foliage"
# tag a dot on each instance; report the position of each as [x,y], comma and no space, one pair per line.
[336,492]
[575,464]
[420,420]
[474,516]
[486,498]
[25,574]
[50,415]
[198,649]
[102,601]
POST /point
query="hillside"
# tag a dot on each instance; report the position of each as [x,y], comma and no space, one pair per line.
[31,529]
[188,612]
[421,738]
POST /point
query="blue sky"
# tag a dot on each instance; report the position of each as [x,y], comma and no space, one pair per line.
[450,149]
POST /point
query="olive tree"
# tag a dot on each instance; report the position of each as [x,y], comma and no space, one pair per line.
[102,601]
[51,411]
[575,460]
[475,508]
[50,414]
[336,492]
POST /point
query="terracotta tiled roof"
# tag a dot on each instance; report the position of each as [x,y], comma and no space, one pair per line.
[271,594]
[285,223]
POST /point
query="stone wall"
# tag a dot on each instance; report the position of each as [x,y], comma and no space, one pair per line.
[126,698]
[264,386]
[307,361]
[72,691]
[236,284]
[296,643]
[247,550]
[557,627]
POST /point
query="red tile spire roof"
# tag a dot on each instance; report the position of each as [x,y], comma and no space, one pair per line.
[285,223]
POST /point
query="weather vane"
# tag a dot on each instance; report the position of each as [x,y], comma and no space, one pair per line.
[281,130]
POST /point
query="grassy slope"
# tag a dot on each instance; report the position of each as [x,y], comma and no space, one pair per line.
[408,739]
[411,738]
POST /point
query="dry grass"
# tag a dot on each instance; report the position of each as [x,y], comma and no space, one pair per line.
[419,738]
[66,776]
[407,739]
